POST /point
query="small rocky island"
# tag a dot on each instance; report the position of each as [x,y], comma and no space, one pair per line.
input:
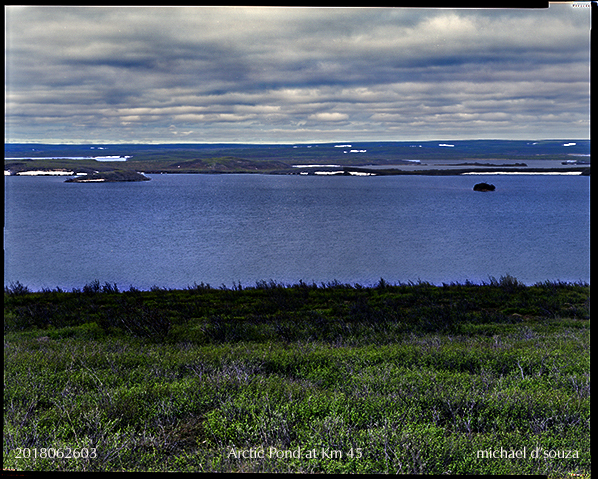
[484,187]
[109,177]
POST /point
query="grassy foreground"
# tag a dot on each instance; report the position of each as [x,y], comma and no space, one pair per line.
[418,379]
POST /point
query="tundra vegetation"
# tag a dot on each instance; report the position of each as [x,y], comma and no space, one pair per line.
[334,378]
[478,155]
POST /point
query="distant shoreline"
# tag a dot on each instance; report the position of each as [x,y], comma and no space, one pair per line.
[353,171]
[443,157]
[137,176]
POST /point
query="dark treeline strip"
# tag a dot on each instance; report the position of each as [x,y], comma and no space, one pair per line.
[272,311]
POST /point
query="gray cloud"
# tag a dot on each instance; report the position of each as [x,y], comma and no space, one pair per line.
[295,74]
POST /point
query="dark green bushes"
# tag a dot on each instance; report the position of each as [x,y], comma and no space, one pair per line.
[269,311]
[15,289]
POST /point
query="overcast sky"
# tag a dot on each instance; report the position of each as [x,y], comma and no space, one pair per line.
[291,75]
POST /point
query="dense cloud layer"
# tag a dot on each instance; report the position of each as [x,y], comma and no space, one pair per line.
[295,74]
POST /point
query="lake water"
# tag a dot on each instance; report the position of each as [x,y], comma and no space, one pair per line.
[177,230]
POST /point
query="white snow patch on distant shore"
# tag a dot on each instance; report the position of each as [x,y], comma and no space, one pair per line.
[45,173]
[316,166]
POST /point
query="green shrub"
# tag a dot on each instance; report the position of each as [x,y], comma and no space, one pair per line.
[418,377]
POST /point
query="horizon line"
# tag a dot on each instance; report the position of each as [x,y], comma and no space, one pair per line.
[106,142]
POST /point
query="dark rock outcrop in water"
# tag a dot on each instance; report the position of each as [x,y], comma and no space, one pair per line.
[109,177]
[484,187]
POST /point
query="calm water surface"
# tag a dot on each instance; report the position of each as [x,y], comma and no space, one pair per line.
[177,230]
